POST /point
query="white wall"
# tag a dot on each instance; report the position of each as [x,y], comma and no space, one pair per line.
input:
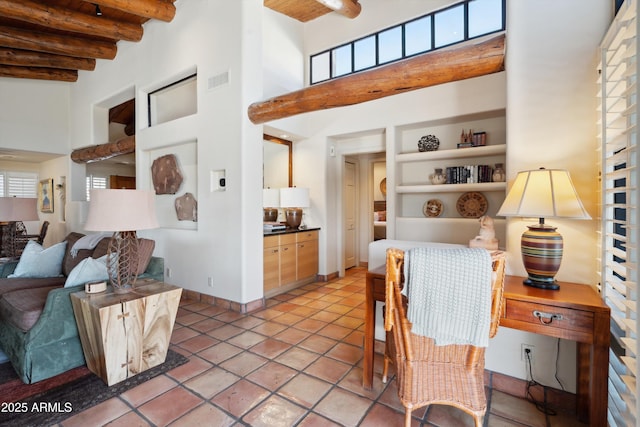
[212,37]
[34,115]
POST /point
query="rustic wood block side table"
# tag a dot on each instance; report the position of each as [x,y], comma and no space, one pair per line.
[125,334]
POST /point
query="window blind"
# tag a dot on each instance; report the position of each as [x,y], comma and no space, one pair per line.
[95,182]
[18,184]
[618,95]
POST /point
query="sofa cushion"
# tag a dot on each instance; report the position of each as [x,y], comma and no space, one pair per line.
[145,251]
[88,270]
[9,285]
[101,248]
[22,308]
[37,261]
[69,262]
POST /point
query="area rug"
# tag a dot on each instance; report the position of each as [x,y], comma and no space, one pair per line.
[51,401]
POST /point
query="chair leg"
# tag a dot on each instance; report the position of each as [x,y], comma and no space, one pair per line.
[385,369]
[407,417]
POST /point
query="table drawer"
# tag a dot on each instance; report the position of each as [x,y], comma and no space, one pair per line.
[550,316]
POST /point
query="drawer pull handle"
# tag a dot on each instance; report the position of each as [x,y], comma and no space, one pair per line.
[546,318]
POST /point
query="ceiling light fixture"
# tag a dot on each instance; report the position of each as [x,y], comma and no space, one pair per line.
[98,11]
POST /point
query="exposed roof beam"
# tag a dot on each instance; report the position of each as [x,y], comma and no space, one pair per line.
[422,71]
[27,58]
[154,9]
[348,8]
[69,20]
[38,73]
[60,45]
[105,151]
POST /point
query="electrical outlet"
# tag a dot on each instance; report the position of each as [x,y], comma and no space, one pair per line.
[210,281]
[168,272]
[530,356]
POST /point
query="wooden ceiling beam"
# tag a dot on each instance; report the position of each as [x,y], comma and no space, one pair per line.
[28,58]
[38,73]
[60,45]
[162,10]
[62,19]
[429,69]
[348,8]
[105,151]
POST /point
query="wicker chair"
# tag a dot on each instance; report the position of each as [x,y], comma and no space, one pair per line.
[429,374]
[21,240]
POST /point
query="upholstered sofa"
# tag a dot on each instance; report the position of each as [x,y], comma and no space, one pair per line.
[38,331]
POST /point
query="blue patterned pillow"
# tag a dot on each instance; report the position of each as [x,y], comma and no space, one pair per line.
[39,262]
[88,270]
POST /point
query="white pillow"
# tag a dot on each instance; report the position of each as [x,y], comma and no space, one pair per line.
[36,261]
[88,270]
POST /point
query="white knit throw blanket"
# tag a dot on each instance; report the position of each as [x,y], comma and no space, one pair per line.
[449,293]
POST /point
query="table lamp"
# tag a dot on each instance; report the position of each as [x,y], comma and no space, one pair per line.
[270,203]
[542,193]
[293,199]
[13,211]
[123,212]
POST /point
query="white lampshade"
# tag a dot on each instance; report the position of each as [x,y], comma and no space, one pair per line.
[121,210]
[18,209]
[294,197]
[543,193]
[270,198]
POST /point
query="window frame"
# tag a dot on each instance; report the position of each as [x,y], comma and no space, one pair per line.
[402,25]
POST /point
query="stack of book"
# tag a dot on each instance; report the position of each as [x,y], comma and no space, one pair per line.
[468,174]
[273,226]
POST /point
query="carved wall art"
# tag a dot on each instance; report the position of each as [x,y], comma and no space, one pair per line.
[166,174]
[187,208]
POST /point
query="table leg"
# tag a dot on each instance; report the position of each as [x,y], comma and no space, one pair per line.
[369,334]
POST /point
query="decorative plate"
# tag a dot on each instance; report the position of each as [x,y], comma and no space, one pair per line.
[383,186]
[432,208]
[428,143]
[472,205]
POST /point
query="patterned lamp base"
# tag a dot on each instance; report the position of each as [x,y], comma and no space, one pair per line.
[541,249]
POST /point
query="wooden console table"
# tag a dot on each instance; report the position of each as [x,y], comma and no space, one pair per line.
[125,334]
[576,312]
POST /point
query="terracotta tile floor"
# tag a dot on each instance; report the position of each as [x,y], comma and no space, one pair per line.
[295,363]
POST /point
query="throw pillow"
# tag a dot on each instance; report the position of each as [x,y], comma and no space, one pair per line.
[88,270]
[145,251]
[37,261]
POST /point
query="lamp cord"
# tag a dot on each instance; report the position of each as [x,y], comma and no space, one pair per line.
[540,406]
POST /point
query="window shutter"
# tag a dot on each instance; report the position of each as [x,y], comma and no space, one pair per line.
[618,93]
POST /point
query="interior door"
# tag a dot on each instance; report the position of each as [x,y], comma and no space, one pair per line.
[349,192]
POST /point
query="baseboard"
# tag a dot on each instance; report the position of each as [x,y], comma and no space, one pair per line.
[224,303]
[327,277]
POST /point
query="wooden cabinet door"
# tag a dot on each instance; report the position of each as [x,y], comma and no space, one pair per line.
[271,267]
[120,182]
[287,264]
[307,254]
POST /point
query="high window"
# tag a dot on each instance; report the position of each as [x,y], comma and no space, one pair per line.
[455,24]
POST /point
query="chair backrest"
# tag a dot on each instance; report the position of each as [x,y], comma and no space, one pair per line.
[395,308]
[43,232]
